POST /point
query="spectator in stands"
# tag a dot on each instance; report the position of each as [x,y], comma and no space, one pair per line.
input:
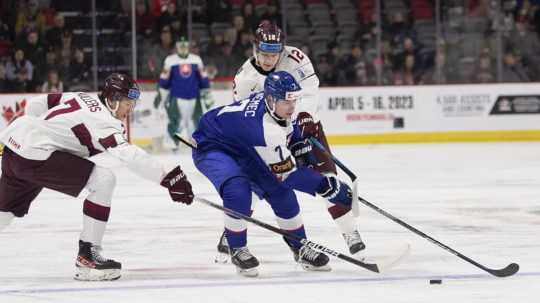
[361,77]
[484,72]
[326,72]
[440,73]
[145,20]
[53,36]
[53,83]
[79,72]
[155,57]
[408,75]
[273,13]
[526,44]
[228,67]
[244,44]
[251,20]
[334,53]
[173,18]
[513,71]
[195,48]
[232,35]
[399,29]
[51,62]
[65,53]
[347,67]
[4,84]
[406,48]
[19,72]
[214,47]
[34,50]
[29,17]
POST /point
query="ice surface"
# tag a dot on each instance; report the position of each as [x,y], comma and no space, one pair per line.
[482,199]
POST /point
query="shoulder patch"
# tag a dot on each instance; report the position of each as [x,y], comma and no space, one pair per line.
[305,71]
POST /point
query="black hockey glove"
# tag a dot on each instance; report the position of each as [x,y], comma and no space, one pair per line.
[335,191]
[178,185]
[301,148]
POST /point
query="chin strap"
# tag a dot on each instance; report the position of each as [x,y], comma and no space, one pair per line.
[272,112]
[112,110]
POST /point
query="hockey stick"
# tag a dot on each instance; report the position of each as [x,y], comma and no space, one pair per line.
[509,270]
[378,267]
[321,248]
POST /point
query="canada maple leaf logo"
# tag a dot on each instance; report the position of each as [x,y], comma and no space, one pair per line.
[11,114]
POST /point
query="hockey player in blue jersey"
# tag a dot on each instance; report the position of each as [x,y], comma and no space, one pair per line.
[182,82]
[247,146]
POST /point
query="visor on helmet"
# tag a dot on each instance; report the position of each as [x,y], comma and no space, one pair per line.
[270,47]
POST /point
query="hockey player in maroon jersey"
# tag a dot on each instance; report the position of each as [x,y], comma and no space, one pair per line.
[49,146]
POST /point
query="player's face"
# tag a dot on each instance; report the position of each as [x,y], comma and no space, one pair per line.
[267,61]
[125,108]
[285,108]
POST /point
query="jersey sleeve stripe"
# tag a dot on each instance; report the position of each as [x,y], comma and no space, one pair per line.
[108,142]
[53,100]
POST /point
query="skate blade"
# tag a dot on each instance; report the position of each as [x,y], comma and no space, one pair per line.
[250,272]
[360,255]
[91,274]
[308,267]
[221,258]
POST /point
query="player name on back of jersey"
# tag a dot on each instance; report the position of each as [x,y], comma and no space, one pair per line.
[252,106]
[93,104]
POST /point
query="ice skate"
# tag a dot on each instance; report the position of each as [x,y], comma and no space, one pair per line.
[311,260]
[92,266]
[355,243]
[246,263]
[222,250]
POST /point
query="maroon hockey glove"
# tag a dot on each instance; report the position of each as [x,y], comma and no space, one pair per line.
[178,185]
[307,125]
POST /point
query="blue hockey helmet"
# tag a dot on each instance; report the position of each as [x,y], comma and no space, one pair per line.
[281,86]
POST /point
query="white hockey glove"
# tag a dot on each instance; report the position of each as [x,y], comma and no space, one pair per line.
[207,101]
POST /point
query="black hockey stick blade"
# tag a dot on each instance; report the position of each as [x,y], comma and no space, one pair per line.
[509,270]
[504,272]
[321,248]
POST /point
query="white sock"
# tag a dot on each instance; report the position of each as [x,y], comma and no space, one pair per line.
[5,219]
[346,223]
[97,205]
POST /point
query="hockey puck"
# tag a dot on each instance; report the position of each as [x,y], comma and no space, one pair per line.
[435,281]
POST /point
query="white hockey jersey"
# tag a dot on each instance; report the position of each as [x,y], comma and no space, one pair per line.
[79,124]
[250,78]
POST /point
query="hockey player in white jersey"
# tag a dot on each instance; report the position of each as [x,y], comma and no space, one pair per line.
[48,147]
[271,54]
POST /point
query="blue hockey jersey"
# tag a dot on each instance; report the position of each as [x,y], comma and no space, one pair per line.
[185,77]
[246,132]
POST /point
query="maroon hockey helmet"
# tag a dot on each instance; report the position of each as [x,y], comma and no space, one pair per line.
[118,86]
[269,38]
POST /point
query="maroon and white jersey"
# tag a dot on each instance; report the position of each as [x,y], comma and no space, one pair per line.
[250,79]
[79,124]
